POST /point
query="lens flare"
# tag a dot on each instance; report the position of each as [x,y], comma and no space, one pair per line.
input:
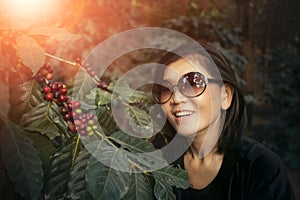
[28,10]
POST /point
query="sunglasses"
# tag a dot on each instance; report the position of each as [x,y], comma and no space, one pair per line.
[192,84]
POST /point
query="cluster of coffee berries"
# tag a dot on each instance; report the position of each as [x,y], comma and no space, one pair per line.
[56,92]
[79,122]
[71,110]
[45,73]
[86,124]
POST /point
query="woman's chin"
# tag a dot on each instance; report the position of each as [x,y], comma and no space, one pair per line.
[185,133]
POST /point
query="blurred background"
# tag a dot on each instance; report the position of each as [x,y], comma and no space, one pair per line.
[260,37]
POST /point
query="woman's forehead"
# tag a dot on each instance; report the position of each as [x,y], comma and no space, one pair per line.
[180,67]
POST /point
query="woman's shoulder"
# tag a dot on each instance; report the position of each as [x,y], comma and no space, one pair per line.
[261,160]
[252,149]
[265,171]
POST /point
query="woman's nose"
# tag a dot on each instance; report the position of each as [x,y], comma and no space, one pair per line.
[177,96]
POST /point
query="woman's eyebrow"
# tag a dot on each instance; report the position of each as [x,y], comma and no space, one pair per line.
[171,78]
[167,80]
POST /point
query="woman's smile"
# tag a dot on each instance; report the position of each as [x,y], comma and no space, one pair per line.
[183,115]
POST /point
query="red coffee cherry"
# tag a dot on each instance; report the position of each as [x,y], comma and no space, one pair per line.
[40,79]
[64,110]
[53,87]
[63,98]
[76,104]
[67,117]
[47,66]
[49,76]
[43,72]
[63,91]
[46,89]
[49,97]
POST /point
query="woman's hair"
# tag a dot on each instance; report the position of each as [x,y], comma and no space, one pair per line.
[235,120]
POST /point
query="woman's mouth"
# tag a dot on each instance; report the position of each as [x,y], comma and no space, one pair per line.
[183,115]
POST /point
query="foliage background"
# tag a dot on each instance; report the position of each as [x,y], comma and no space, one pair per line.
[262,38]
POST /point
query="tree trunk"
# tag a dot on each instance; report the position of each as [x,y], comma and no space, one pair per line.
[249,50]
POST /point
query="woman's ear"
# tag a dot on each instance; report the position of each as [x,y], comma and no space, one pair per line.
[227,94]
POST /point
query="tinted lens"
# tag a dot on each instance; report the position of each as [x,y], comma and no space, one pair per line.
[192,84]
[161,93]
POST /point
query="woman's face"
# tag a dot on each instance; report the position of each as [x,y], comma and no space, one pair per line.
[190,116]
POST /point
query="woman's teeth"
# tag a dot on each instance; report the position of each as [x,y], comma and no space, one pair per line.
[183,113]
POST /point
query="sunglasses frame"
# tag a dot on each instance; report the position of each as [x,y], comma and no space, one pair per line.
[180,80]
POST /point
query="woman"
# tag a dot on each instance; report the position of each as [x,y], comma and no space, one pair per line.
[198,93]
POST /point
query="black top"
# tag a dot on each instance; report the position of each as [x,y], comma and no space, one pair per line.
[250,172]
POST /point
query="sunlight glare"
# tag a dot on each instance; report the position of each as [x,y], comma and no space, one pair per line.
[27,9]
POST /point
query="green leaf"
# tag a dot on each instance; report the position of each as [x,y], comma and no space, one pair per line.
[24,98]
[91,97]
[107,173]
[77,184]
[127,94]
[44,146]
[106,120]
[103,97]
[30,52]
[45,119]
[140,188]
[140,121]
[109,154]
[172,176]
[167,178]
[98,97]
[142,153]
[140,96]
[105,182]
[134,144]
[121,89]
[59,34]
[22,161]
[58,173]
[82,85]
[162,191]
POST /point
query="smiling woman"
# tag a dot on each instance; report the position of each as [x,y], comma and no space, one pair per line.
[27,10]
[220,162]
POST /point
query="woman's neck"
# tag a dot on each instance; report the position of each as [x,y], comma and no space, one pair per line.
[202,171]
[205,142]
[203,146]
[196,145]
[196,150]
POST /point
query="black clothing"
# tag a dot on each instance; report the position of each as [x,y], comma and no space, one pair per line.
[250,172]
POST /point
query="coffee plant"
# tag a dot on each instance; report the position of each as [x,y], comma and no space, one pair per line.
[60,141]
